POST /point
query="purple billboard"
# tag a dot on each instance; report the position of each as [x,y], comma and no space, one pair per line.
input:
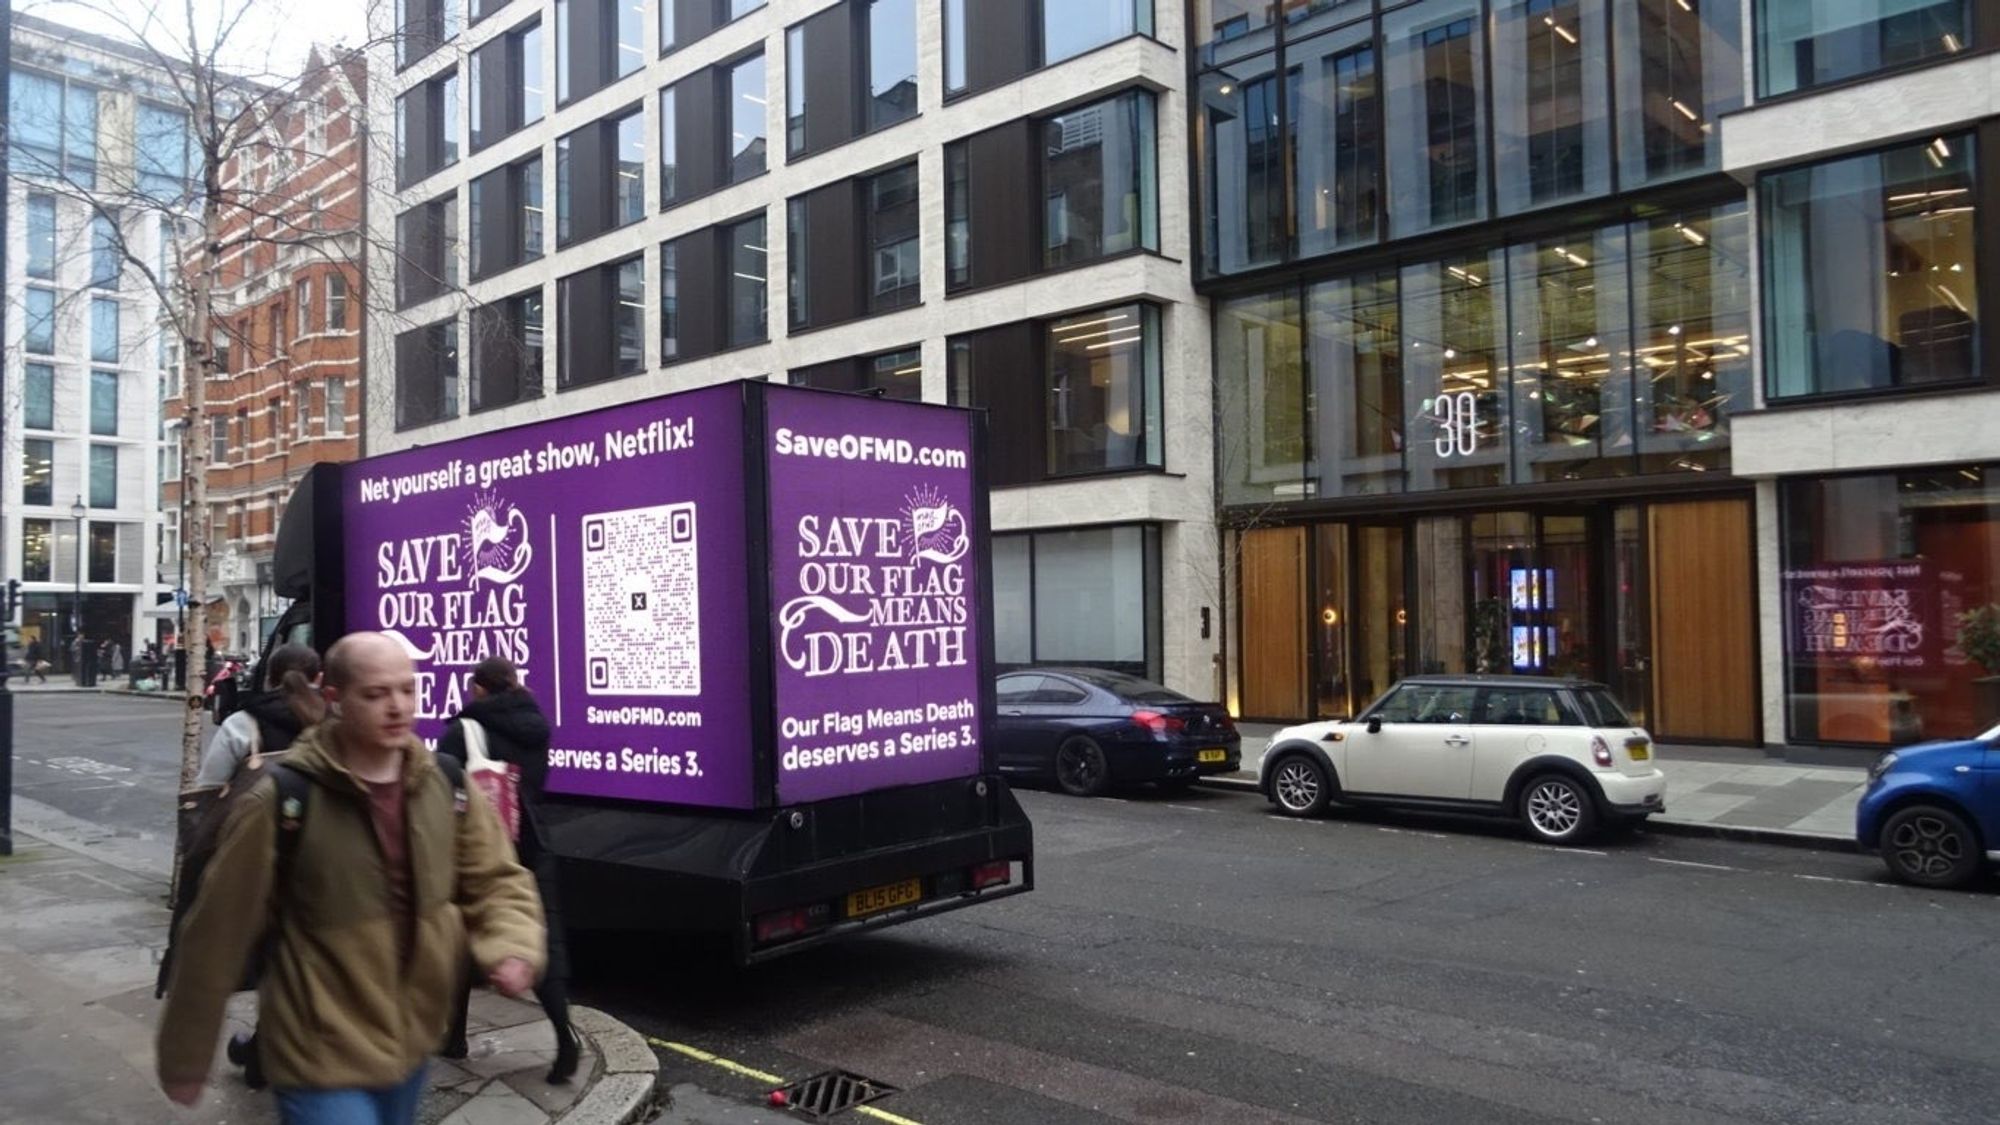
[604,554]
[874,593]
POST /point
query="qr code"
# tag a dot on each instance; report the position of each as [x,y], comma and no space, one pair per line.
[641,602]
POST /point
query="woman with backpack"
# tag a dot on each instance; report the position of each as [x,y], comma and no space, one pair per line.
[289,703]
[513,730]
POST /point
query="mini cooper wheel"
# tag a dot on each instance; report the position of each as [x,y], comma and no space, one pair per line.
[1930,846]
[1557,810]
[1299,786]
[1081,768]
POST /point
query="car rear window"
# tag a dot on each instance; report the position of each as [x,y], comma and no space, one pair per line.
[1132,689]
[1601,709]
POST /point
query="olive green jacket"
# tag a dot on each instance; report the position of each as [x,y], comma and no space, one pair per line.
[337,1007]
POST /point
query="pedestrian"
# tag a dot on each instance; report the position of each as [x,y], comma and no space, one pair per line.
[273,718]
[34,664]
[517,733]
[394,869]
[117,658]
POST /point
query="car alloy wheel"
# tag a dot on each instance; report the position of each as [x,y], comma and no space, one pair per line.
[1081,769]
[1930,846]
[1557,809]
[1299,786]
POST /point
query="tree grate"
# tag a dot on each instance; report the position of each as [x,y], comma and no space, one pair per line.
[834,1091]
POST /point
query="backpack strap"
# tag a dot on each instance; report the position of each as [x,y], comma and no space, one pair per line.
[294,791]
[454,776]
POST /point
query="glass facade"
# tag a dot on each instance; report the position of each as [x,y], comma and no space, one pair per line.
[894,258]
[1104,391]
[1800,46]
[1872,271]
[1100,184]
[1878,570]
[629,185]
[1604,352]
[104,329]
[1089,596]
[104,403]
[38,399]
[104,476]
[38,472]
[749,291]
[39,328]
[42,237]
[1071,27]
[1325,125]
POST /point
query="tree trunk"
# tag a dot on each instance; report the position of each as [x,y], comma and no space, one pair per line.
[194,474]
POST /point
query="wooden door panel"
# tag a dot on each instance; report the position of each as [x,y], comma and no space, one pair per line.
[1704,621]
[1274,626]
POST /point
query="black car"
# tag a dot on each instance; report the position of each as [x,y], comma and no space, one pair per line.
[1088,729]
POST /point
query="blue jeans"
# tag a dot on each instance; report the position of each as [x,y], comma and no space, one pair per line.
[396,1105]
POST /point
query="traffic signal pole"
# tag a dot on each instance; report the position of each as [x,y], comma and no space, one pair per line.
[12,596]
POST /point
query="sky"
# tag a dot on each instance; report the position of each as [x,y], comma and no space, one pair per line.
[270,41]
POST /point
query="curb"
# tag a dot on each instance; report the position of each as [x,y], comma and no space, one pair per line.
[631,1072]
[1810,841]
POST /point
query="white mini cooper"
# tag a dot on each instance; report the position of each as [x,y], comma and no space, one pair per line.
[1561,755]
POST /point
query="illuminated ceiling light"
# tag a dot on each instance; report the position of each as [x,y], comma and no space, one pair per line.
[1969,474]
[1681,107]
[1072,325]
[750,277]
[1225,89]
[1685,6]
[1691,234]
[1559,29]
[758,249]
[1951,43]
[1451,353]
[1674,330]
[752,98]
[1095,335]
[1591,342]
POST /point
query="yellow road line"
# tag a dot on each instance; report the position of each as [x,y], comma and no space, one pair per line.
[752,1073]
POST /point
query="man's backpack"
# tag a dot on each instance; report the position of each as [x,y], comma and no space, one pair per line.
[207,810]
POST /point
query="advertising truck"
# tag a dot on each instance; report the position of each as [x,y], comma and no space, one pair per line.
[758,619]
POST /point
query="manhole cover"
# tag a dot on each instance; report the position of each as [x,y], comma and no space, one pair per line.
[835,1091]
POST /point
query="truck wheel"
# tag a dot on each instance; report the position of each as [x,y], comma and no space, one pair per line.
[1081,768]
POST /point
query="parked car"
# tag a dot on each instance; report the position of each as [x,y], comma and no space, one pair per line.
[1933,811]
[1088,729]
[1561,755]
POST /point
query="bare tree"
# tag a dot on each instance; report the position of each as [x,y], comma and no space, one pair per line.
[232,198]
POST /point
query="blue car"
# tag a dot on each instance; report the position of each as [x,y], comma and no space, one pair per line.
[1933,811]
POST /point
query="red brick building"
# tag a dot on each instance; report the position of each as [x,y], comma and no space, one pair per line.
[288,328]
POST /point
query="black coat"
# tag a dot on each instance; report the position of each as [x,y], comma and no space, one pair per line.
[277,724]
[516,733]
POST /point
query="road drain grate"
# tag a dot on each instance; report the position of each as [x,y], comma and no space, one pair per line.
[835,1091]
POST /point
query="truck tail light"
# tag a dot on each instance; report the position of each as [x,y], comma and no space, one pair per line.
[1600,750]
[999,873]
[1158,723]
[780,925]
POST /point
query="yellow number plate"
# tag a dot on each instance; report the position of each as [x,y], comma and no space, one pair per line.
[1639,750]
[1212,756]
[874,900]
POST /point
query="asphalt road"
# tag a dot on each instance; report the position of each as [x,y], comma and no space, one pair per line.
[1195,959]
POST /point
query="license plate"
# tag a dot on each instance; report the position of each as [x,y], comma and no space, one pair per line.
[1212,756]
[1639,749]
[874,900]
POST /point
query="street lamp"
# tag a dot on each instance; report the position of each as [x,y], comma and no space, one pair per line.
[78,512]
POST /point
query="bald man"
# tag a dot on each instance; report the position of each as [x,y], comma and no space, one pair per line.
[394,870]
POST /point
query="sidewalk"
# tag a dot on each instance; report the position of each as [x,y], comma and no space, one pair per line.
[1711,791]
[80,941]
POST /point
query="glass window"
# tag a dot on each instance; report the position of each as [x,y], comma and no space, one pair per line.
[957,217]
[37,550]
[564,224]
[336,302]
[478,74]
[740,8]
[528,193]
[426,374]
[795,89]
[1523,707]
[336,408]
[1335,112]
[798,304]
[1244,159]
[1013,601]
[103,552]
[1104,391]
[670,296]
[1354,352]
[1691,336]
[892,61]
[35,110]
[749,287]
[534,95]
[1678,67]
[38,466]
[1071,27]
[669,151]
[1096,597]
[302,306]
[1878,571]
[80,136]
[1454,372]
[1230,29]
[1551,101]
[669,36]
[1260,377]
[39,334]
[38,404]
[631,35]
[104,403]
[1427,703]
[1804,45]
[562,50]
[628,318]
[447,88]
[106,251]
[892,238]
[1572,375]
[629,203]
[510,370]
[1870,271]
[898,375]
[104,476]
[1601,708]
[746,117]
[1100,181]
[104,329]
[161,156]
[1434,69]
[954,46]
[218,440]
[42,237]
